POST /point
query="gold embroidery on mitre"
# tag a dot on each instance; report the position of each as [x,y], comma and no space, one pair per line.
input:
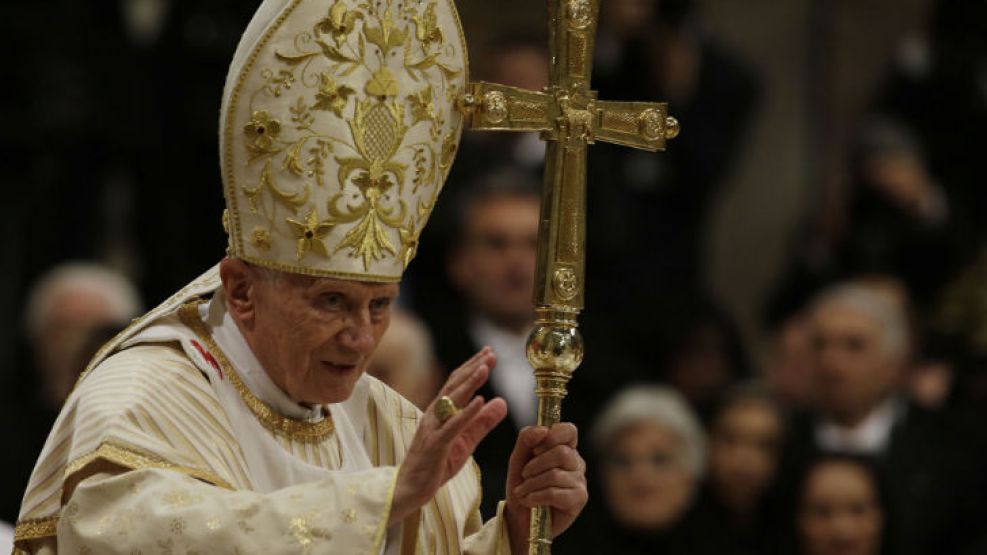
[352,117]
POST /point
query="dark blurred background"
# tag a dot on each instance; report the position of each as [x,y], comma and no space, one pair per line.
[827,189]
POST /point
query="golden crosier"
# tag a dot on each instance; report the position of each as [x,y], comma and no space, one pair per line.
[337,139]
[570,117]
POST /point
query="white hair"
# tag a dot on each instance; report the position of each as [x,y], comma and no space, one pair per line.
[887,314]
[80,277]
[658,405]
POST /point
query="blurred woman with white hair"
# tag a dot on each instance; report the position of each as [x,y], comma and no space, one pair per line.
[651,454]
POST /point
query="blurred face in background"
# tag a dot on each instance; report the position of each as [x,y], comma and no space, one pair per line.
[744,445]
[646,479]
[788,370]
[495,265]
[404,361]
[853,369]
[61,339]
[840,513]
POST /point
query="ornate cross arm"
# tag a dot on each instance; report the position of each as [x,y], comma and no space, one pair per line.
[493,107]
[643,125]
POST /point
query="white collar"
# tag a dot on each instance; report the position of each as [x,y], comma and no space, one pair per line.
[227,335]
[512,378]
[484,331]
[871,436]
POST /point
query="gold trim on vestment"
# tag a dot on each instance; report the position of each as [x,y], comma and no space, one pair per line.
[382,530]
[35,528]
[138,459]
[293,429]
[138,323]
[478,474]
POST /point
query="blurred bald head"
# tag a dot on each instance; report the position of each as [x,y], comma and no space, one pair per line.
[66,306]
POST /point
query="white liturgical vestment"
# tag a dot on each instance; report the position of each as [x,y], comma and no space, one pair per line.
[176,441]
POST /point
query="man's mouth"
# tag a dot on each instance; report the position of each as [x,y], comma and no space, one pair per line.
[339,367]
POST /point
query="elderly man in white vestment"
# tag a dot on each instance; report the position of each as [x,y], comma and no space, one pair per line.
[236,417]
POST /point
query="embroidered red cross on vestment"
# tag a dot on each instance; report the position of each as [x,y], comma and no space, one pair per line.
[209,358]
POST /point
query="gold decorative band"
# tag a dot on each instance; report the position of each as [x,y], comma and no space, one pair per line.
[136,459]
[293,429]
[33,529]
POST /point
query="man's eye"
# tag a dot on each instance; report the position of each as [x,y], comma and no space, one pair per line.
[332,300]
[379,304]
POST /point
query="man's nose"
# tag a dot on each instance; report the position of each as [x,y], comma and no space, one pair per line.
[358,335]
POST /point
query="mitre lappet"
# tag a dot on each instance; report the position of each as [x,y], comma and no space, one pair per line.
[338,129]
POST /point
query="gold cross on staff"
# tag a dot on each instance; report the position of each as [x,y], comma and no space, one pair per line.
[569,117]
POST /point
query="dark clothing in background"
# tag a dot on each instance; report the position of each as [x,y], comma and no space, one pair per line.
[648,212]
[721,532]
[934,472]
[705,529]
[111,155]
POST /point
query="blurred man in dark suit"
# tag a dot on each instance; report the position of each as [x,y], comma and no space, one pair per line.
[861,352]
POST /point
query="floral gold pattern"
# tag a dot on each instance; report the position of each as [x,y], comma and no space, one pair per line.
[310,234]
[340,22]
[262,134]
[332,96]
[353,118]
[261,238]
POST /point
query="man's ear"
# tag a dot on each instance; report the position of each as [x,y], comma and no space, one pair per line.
[239,285]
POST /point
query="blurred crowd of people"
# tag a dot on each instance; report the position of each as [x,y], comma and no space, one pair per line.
[857,432]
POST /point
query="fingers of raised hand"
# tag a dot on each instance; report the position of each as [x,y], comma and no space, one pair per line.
[561,456]
[464,382]
[486,420]
[484,356]
[466,389]
[456,440]
[458,422]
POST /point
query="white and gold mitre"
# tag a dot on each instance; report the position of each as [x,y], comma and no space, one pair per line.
[338,128]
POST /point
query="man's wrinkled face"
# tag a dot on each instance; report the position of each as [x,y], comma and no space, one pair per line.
[853,369]
[314,336]
[495,267]
[840,512]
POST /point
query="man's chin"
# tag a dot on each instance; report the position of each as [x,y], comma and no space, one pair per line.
[336,392]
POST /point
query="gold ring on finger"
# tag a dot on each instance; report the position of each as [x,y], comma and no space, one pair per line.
[445,409]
